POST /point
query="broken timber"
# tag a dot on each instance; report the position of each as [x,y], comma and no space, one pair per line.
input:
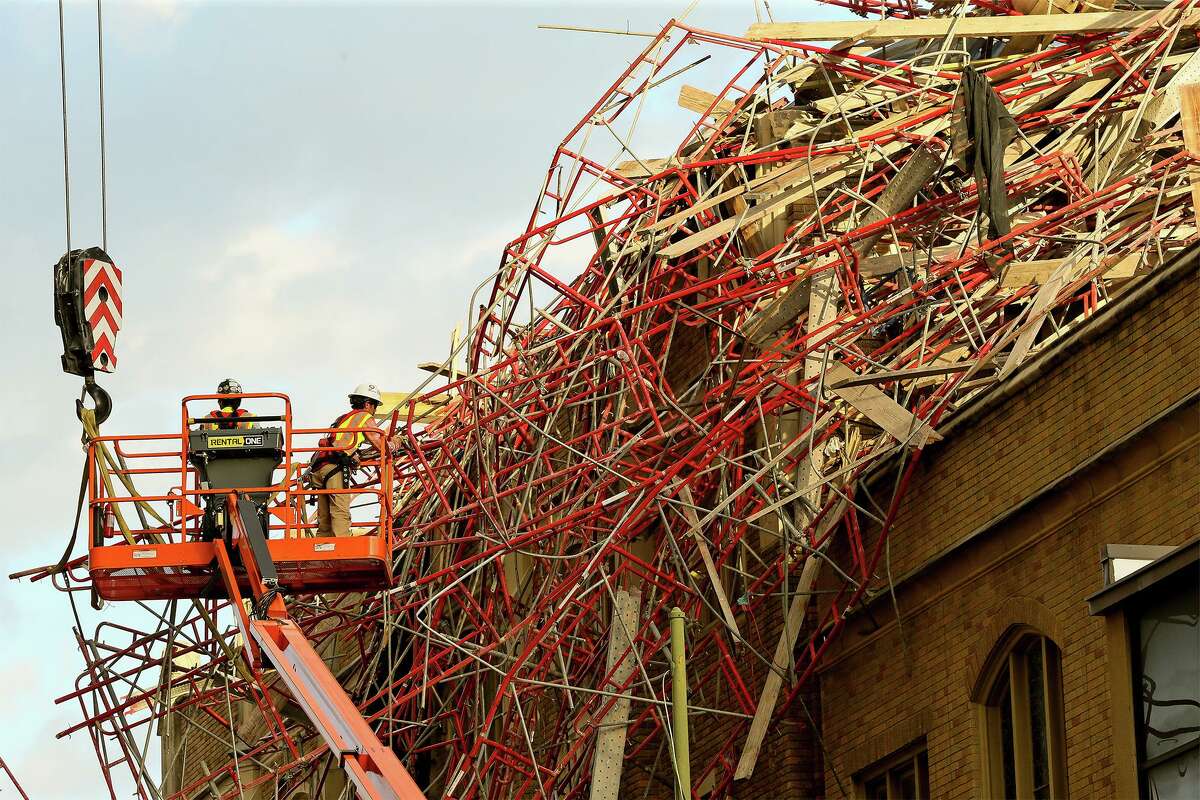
[940,27]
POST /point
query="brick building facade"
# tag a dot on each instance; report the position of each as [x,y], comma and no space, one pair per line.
[1094,442]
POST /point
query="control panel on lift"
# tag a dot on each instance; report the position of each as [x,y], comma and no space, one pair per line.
[236,459]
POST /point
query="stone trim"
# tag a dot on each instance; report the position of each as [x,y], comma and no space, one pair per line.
[899,736]
[1012,614]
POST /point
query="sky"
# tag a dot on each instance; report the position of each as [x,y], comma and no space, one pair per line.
[301,196]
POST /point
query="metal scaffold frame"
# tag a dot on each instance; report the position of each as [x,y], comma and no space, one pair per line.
[719,411]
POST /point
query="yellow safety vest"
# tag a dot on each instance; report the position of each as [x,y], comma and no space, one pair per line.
[348,440]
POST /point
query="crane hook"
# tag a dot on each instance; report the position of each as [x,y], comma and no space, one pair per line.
[100,398]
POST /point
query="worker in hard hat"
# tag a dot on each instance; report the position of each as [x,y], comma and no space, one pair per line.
[332,465]
[230,408]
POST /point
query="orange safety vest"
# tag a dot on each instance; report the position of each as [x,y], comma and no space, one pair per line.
[344,441]
[229,414]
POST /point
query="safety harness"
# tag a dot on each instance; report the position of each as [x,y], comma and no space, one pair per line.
[227,413]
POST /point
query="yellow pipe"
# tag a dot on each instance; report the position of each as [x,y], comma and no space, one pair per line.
[679,708]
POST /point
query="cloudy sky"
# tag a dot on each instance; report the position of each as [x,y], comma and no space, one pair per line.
[301,196]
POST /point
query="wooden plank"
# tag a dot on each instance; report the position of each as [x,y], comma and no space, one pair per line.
[1023,273]
[436,367]
[875,266]
[422,411]
[779,663]
[872,378]
[611,729]
[879,408]
[968,27]
[822,300]
[1027,44]
[689,513]
[634,169]
[1189,114]
[701,102]
[1037,315]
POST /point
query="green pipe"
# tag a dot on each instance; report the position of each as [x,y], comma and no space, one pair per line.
[679,708]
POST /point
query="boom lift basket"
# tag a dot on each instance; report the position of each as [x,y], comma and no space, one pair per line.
[155,544]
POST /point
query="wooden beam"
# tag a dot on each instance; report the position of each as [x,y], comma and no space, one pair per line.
[1037,314]
[779,663]
[702,102]
[879,408]
[900,375]
[714,577]
[1023,273]
[609,758]
[634,169]
[1189,114]
[422,412]
[874,266]
[968,27]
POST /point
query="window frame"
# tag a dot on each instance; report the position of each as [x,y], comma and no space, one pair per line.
[914,754]
[1119,603]
[1136,616]
[1006,679]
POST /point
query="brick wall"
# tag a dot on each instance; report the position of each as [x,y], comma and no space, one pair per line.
[1135,370]
[888,681]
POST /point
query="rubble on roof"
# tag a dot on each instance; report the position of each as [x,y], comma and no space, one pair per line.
[851,241]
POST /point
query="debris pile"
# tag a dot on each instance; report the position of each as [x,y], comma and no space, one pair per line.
[851,241]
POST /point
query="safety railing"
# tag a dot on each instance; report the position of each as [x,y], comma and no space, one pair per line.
[143,489]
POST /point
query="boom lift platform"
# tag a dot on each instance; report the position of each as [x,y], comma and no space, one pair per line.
[236,528]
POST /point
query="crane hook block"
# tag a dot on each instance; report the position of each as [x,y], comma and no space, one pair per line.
[87,310]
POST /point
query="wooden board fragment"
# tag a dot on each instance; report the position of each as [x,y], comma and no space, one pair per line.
[422,411]
[634,169]
[710,567]
[701,102]
[875,266]
[779,663]
[611,728]
[1037,315]
[1165,106]
[1189,113]
[872,378]
[1023,273]
[878,407]
[967,27]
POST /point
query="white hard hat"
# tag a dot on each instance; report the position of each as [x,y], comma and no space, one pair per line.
[367,390]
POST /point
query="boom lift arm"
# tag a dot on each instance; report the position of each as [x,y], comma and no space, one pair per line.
[269,632]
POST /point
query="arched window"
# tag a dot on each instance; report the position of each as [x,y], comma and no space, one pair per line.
[1020,697]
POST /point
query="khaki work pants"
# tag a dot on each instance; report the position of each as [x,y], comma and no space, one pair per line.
[333,510]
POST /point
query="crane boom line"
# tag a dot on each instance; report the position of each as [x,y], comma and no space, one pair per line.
[62,72]
[103,159]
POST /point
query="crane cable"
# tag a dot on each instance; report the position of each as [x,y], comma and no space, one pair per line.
[62,72]
[103,165]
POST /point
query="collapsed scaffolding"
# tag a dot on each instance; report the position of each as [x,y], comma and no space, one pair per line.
[849,244]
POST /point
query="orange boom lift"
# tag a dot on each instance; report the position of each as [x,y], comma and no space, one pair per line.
[237,529]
